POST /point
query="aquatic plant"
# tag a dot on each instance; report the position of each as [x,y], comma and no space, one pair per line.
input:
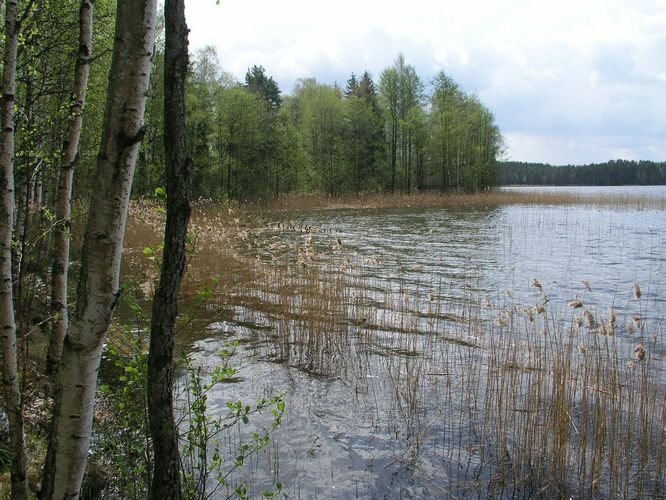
[490,397]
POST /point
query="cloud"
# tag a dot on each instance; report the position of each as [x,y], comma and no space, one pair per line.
[563,79]
[574,149]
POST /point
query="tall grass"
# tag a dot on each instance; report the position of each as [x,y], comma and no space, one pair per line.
[435,199]
[503,400]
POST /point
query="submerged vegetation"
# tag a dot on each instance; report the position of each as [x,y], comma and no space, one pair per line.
[481,393]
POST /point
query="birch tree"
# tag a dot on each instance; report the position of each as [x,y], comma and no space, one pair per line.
[166,472]
[64,191]
[389,92]
[98,289]
[10,380]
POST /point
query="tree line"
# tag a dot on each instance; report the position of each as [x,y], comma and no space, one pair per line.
[250,141]
[611,173]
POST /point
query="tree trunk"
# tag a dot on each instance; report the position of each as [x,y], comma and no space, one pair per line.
[166,472]
[98,289]
[10,379]
[394,155]
[11,382]
[64,192]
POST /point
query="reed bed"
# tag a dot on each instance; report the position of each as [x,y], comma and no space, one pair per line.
[485,199]
[484,399]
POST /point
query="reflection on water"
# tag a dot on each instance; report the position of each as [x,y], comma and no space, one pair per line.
[408,307]
[499,251]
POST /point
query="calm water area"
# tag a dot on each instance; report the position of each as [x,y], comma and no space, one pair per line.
[375,409]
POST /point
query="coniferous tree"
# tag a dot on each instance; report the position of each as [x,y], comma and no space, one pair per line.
[367,91]
[352,86]
[257,81]
[364,136]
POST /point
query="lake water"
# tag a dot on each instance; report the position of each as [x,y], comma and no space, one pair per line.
[375,406]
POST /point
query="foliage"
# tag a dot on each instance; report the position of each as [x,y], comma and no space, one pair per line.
[256,81]
[122,448]
[465,143]
[249,142]
[611,173]
[205,462]
[122,441]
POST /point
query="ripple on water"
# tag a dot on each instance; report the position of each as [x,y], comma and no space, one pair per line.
[380,415]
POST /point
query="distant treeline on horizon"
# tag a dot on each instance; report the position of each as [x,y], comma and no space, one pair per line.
[611,173]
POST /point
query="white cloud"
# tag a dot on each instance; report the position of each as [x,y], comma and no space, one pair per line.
[568,81]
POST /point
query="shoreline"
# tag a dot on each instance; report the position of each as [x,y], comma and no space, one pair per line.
[486,199]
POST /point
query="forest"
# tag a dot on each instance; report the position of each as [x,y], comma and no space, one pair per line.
[611,173]
[251,139]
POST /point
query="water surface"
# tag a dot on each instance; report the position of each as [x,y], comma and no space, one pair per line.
[370,408]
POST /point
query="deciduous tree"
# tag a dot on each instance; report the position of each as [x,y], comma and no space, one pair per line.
[98,289]
[59,270]
[389,93]
[166,471]
[10,379]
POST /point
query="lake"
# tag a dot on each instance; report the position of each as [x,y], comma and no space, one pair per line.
[444,352]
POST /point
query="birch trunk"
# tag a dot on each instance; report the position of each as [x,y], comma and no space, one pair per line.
[9,352]
[166,474]
[98,289]
[64,191]
[10,379]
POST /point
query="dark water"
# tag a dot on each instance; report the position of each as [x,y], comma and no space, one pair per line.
[379,411]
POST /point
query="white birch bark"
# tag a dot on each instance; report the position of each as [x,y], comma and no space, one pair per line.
[98,288]
[10,379]
[64,192]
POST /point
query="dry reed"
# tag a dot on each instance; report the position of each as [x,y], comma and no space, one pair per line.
[485,199]
[506,400]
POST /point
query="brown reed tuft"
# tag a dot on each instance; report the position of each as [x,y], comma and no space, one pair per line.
[640,352]
[537,285]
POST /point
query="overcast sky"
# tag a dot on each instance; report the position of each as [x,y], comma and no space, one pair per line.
[571,81]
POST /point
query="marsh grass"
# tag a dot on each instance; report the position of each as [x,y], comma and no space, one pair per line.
[501,399]
[486,199]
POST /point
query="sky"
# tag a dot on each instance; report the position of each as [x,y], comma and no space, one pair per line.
[569,82]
